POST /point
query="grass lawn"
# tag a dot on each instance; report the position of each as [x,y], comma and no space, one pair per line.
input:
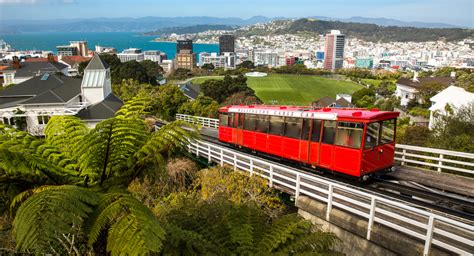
[294,89]
[298,90]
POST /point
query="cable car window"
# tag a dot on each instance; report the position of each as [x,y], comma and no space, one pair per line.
[262,124]
[372,136]
[250,121]
[241,121]
[276,125]
[306,128]
[329,131]
[349,134]
[316,134]
[223,119]
[293,127]
[388,131]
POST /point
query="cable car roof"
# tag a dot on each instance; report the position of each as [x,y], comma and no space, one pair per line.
[310,112]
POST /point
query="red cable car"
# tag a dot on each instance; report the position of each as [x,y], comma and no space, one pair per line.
[355,142]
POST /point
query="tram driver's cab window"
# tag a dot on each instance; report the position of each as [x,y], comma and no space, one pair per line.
[372,135]
[276,125]
[224,119]
[349,134]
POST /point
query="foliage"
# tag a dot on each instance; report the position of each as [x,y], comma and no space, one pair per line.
[168,101]
[220,227]
[201,106]
[130,88]
[219,90]
[385,88]
[247,64]
[375,33]
[415,135]
[180,73]
[417,111]
[153,70]
[364,98]
[241,98]
[388,104]
[208,66]
[299,69]
[80,165]
[238,188]
[428,90]
[454,130]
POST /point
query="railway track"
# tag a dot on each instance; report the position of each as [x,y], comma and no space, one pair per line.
[418,196]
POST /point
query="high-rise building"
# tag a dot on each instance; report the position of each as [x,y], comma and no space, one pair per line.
[184,44]
[334,50]
[82,48]
[226,43]
[186,59]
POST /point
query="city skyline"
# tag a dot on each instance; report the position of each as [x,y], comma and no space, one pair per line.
[459,12]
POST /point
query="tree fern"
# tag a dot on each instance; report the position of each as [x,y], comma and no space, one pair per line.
[48,213]
[134,230]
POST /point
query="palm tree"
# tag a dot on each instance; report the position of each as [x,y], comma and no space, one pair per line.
[74,181]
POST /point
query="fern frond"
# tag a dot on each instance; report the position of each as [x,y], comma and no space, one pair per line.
[50,212]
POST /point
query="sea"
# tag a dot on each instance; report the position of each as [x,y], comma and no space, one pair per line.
[118,40]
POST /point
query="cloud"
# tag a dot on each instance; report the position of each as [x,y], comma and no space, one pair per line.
[29,2]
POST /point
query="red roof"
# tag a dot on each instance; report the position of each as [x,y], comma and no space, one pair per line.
[74,59]
[308,112]
[40,59]
[3,67]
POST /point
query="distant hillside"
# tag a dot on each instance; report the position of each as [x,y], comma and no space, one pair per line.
[189,29]
[388,22]
[374,33]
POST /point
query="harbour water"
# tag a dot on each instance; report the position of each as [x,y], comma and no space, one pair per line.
[119,40]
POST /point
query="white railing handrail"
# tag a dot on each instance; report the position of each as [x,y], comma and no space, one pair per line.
[374,208]
[406,155]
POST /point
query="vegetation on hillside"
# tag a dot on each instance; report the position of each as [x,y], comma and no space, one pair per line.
[375,33]
[188,29]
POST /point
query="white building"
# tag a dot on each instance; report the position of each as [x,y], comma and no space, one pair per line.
[453,96]
[30,104]
[407,89]
[153,55]
[167,65]
[266,58]
[131,54]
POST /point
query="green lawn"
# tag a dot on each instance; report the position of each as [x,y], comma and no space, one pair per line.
[294,89]
[298,90]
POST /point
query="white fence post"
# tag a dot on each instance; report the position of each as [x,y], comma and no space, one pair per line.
[251,167]
[371,218]
[209,159]
[297,192]
[222,157]
[328,210]
[404,151]
[429,236]
[271,176]
[235,162]
[440,162]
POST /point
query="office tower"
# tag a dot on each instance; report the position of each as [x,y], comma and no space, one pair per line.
[334,50]
[185,44]
[226,43]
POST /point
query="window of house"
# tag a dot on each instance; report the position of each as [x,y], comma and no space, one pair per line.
[262,124]
[349,134]
[250,122]
[276,125]
[43,119]
[293,127]
[372,135]
[329,131]
[388,131]
[224,119]
[316,132]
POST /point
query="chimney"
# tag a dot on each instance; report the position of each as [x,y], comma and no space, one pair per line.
[415,76]
[16,62]
[51,58]
[453,74]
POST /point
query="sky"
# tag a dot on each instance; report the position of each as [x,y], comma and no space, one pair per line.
[457,12]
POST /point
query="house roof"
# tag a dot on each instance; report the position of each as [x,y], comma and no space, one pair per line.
[97,63]
[453,95]
[446,81]
[40,59]
[190,90]
[42,89]
[29,69]
[323,102]
[72,60]
[102,110]
[343,103]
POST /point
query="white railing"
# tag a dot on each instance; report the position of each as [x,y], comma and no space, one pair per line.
[430,228]
[204,121]
[427,158]
[435,159]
